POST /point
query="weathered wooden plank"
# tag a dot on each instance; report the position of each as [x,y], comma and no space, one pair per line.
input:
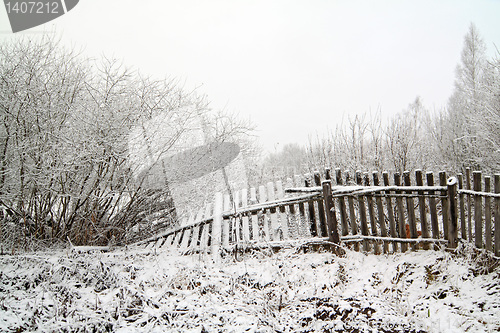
[333,234]
[176,242]
[469,203]
[293,226]
[282,212]
[168,241]
[187,235]
[205,230]
[453,223]
[263,217]
[304,222]
[352,211]
[362,213]
[407,241]
[390,213]
[235,223]
[244,218]
[343,210]
[419,180]
[317,179]
[312,216]
[226,223]
[321,209]
[444,205]
[478,210]
[380,210]
[203,239]
[254,218]
[497,216]
[328,174]
[159,243]
[216,236]
[185,240]
[275,228]
[400,218]
[371,213]
[195,237]
[487,215]
[177,238]
[300,217]
[433,208]
[480,193]
[274,204]
[461,201]
[366,190]
[410,208]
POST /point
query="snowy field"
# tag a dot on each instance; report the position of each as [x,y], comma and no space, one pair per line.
[131,290]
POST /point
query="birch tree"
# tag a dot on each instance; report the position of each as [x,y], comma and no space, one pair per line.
[468,103]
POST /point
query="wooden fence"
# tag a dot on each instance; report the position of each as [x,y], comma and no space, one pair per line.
[364,211]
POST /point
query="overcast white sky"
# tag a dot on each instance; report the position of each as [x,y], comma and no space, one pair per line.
[293,67]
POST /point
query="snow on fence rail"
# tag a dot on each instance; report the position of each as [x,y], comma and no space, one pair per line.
[364,212]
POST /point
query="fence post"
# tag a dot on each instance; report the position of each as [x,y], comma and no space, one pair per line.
[453,221]
[478,209]
[321,208]
[497,216]
[271,196]
[362,213]
[487,214]
[331,218]
[469,204]
[225,223]
[217,227]
[254,216]
[343,209]
[312,216]
[328,174]
[371,213]
[444,204]
[432,208]
[463,223]
[401,214]
[352,212]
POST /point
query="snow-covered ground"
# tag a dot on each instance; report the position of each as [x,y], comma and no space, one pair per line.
[131,290]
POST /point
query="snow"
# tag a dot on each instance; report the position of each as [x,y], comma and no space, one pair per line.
[134,290]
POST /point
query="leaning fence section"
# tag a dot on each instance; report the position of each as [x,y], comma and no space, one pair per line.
[379,212]
[265,216]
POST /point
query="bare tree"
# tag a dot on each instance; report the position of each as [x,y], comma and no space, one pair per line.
[405,135]
[67,167]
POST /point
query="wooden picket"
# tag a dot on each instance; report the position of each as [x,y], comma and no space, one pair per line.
[382,218]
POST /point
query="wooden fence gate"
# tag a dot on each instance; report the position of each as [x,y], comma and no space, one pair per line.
[364,212]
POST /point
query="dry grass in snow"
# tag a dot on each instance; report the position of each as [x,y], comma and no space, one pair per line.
[130,290]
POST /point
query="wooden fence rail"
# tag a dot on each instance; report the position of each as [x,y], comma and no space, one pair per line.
[383,218]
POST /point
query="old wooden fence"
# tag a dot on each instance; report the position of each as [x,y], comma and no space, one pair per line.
[363,211]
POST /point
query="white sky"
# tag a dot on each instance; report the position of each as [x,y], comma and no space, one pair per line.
[294,67]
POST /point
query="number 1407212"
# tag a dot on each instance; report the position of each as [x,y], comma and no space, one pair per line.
[33,7]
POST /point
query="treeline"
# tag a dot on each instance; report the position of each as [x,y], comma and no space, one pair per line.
[466,133]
